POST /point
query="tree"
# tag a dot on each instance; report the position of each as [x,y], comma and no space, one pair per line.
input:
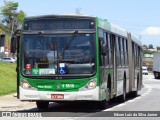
[11,17]
[19,20]
[147,52]
[145,46]
[150,46]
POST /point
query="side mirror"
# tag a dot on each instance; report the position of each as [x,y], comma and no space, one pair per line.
[13,44]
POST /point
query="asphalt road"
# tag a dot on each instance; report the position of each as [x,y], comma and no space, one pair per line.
[147,100]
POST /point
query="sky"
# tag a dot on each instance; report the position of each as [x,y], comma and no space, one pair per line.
[140,17]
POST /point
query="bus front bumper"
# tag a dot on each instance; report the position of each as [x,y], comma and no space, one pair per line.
[34,95]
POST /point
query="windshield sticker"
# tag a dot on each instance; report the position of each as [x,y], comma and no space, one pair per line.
[43,71]
[62,68]
[35,71]
[61,64]
[46,71]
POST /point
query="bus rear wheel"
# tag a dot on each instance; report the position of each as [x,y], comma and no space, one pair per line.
[42,104]
[156,75]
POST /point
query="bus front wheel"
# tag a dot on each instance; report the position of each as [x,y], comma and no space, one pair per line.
[102,104]
[42,104]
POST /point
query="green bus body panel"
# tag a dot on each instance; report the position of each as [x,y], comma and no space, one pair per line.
[57,85]
[105,72]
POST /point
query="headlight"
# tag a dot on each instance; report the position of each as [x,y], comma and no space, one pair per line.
[25,84]
[90,85]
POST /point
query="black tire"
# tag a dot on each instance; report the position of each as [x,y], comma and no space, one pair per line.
[102,104]
[42,104]
[109,94]
[156,75]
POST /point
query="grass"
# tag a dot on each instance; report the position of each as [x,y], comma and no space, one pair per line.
[7,78]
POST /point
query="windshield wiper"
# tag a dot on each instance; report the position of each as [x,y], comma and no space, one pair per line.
[70,41]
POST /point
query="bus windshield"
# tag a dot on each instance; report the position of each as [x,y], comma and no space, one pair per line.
[63,54]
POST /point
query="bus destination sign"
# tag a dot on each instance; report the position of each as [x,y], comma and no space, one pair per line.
[44,24]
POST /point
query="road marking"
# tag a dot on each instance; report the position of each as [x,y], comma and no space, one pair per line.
[133,100]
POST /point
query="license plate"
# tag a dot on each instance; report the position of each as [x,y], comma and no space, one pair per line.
[57,96]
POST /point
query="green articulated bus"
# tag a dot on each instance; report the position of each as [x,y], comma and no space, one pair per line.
[64,58]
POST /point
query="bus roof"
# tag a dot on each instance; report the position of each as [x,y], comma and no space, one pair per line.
[136,40]
[104,24]
[60,16]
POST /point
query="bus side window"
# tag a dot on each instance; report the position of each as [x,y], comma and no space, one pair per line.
[119,43]
[104,47]
[107,49]
[118,51]
[101,52]
[125,51]
[138,57]
[112,40]
[101,48]
[122,51]
[135,55]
